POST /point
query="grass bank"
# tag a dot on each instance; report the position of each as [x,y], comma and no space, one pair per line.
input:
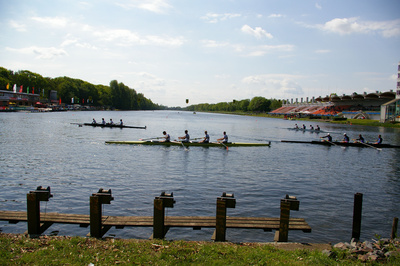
[59,250]
[361,122]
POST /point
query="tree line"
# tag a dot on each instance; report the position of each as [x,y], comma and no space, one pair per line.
[116,95]
[69,90]
[257,104]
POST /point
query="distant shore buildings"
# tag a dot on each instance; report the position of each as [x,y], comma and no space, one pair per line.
[382,106]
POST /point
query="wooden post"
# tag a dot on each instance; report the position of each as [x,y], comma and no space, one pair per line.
[287,204]
[160,203]
[284,221]
[357,211]
[96,201]
[224,202]
[393,235]
[33,199]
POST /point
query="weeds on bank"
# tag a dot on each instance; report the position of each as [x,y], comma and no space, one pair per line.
[18,249]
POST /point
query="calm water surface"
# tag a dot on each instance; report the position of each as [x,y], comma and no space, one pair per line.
[45,149]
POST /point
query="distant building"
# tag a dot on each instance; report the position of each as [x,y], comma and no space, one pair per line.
[398,82]
[390,111]
[15,100]
[382,106]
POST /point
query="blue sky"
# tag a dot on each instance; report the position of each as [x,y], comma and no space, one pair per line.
[208,51]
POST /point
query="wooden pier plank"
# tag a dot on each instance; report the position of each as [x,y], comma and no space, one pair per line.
[170,221]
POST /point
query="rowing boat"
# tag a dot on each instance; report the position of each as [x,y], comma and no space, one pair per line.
[347,144]
[112,125]
[192,143]
[306,129]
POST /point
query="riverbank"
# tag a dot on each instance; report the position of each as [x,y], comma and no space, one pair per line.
[57,250]
[361,122]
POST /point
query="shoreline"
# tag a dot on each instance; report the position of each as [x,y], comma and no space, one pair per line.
[359,122]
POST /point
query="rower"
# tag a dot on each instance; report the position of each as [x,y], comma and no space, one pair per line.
[304,126]
[318,128]
[94,121]
[103,122]
[296,126]
[329,137]
[206,138]
[224,139]
[345,138]
[360,139]
[379,140]
[167,137]
[311,127]
[111,122]
[185,138]
[121,123]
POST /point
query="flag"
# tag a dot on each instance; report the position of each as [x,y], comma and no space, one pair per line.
[8,86]
[60,101]
[43,92]
[33,90]
[15,88]
[27,90]
[72,100]
[20,88]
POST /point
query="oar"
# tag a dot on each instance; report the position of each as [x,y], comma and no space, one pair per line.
[224,145]
[152,138]
[334,144]
[181,141]
[369,145]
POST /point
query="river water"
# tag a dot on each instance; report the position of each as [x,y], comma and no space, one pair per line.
[45,149]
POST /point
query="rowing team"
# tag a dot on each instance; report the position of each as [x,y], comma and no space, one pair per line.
[103,122]
[346,139]
[317,128]
[186,137]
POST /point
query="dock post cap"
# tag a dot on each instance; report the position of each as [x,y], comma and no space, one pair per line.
[104,195]
[167,198]
[226,195]
[164,194]
[42,193]
[229,199]
[294,203]
[290,197]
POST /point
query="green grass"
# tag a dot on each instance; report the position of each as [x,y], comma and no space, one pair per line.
[18,249]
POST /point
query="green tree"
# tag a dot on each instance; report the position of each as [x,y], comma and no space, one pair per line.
[259,104]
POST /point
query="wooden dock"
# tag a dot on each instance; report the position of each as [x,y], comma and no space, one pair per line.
[195,222]
[100,224]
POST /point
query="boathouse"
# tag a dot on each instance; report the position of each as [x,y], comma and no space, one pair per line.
[12,101]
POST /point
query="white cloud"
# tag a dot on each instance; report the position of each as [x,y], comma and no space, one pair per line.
[265,49]
[257,32]
[214,44]
[156,6]
[345,26]
[214,17]
[77,43]
[40,52]
[276,16]
[249,50]
[318,6]
[123,37]
[18,26]
[54,22]
[276,85]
